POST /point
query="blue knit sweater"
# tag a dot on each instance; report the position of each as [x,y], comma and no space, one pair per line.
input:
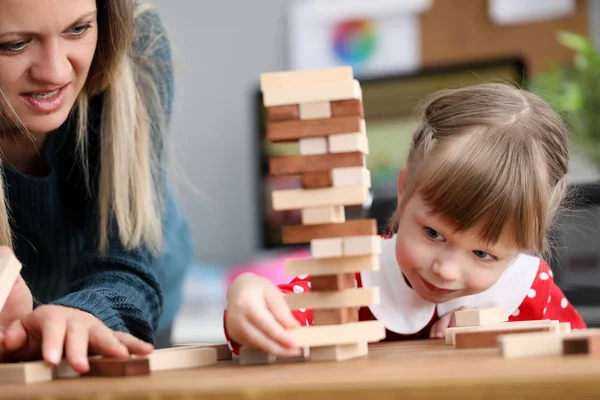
[54,222]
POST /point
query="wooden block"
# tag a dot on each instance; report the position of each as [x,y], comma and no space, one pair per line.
[305,198]
[289,112]
[182,358]
[582,344]
[10,268]
[323,215]
[451,332]
[339,352]
[564,327]
[316,110]
[251,356]
[351,176]
[329,335]
[317,180]
[289,131]
[25,372]
[312,146]
[299,78]
[223,351]
[333,316]
[522,345]
[481,317]
[295,165]
[334,265]
[361,245]
[347,108]
[330,91]
[332,282]
[489,339]
[293,234]
[357,297]
[326,248]
[350,141]
[133,366]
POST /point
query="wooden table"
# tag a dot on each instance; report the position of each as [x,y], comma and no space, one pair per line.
[402,370]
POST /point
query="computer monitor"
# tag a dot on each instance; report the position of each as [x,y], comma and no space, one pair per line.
[389,106]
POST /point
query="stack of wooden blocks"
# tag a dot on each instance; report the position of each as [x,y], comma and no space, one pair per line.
[489,328]
[322,111]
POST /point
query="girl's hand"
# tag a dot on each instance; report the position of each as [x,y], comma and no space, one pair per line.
[438,329]
[19,301]
[258,315]
[51,330]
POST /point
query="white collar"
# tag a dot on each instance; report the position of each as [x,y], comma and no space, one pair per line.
[403,311]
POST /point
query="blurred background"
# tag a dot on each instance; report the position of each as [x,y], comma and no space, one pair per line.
[400,50]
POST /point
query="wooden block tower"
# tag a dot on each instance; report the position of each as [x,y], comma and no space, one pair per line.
[322,110]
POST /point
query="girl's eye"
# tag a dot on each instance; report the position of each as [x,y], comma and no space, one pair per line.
[483,255]
[79,30]
[14,46]
[433,234]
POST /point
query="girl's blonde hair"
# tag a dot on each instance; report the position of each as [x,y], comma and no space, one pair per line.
[130,166]
[489,157]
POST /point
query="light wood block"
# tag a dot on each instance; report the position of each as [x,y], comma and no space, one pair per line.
[339,352]
[564,327]
[332,316]
[330,91]
[522,345]
[289,112]
[317,180]
[293,234]
[451,332]
[292,199]
[332,282]
[316,110]
[251,356]
[357,297]
[351,176]
[300,78]
[10,268]
[25,372]
[323,215]
[312,146]
[347,108]
[334,265]
[329,335]
[481,317]
[350,141]
[326,248]
[182,358]
[295,165]
[489,339]
[291,131]
[223,351]
[361,245]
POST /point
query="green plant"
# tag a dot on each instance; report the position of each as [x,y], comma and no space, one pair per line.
[573,90]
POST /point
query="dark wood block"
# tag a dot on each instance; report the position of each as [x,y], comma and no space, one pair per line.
[582,345]
[316,180]
[296,234]
[296,165]
[289,112]
[116,367]
[332,282]
[347,108]
[489,339]
[335,316]
[288,131]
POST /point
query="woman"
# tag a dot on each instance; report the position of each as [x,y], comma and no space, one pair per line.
[86,92]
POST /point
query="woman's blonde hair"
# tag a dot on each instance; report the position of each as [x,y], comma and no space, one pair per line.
[130,166]
[490,157]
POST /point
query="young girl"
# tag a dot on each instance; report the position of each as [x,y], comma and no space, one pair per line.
[482,183]
[86,90]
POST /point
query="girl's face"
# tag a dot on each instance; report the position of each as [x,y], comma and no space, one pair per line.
[442,265]
[46,49]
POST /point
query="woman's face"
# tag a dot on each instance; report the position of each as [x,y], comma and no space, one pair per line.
[46,49]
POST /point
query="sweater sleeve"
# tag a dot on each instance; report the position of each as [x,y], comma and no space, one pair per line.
[545,300]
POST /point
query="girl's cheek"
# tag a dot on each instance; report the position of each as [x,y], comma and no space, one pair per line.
[480,279]
[409,253]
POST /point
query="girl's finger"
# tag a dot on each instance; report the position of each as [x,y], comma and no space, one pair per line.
[54,330]
[76,346]
[257,339]
[15,337]
[104,342]
[133,344]
[262,320]
[281,311]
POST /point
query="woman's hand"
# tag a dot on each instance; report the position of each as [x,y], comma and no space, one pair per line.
[258,316]
[51,331]
[19,301]
[438,329]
